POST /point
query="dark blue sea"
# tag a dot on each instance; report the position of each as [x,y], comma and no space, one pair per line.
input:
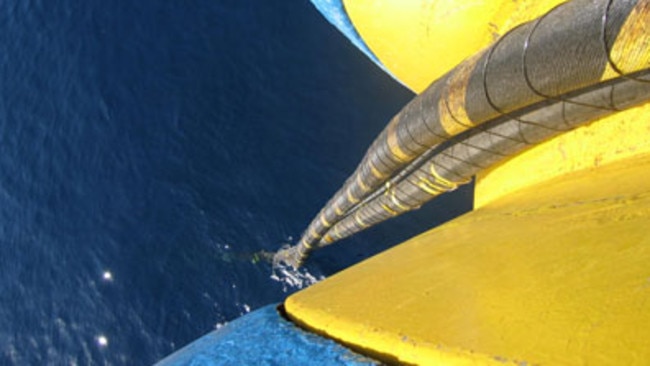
[149,151]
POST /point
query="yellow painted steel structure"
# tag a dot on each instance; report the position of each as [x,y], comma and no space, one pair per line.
[553,265]
[556,272]
[420,40]
[619,137]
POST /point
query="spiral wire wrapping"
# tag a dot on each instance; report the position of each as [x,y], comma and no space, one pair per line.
[581,61]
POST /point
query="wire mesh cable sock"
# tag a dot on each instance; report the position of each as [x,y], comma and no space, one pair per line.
[581,61]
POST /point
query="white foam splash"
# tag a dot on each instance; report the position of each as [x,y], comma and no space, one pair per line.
[293,279]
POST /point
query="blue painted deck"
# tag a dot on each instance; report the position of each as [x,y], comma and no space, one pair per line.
[263,337]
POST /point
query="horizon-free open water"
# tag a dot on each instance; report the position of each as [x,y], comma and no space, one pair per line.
[150,148]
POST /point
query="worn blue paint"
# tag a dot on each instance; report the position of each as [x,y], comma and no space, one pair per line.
[263,337]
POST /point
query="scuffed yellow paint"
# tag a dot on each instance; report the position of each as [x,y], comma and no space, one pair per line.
[556,273]
[631,49]
[420,40]
[610,139]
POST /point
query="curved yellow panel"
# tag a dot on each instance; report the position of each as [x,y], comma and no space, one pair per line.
[619,136]
[420,40]
[553,274]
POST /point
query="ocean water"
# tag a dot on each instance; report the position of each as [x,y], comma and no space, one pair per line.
[149,150]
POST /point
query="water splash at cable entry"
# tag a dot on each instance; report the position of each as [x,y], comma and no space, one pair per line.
[291,278]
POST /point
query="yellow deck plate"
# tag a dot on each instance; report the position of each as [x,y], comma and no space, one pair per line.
[556,273]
